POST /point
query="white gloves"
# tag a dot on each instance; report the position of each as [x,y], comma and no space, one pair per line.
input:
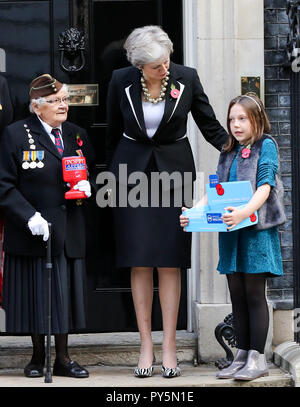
[84,186]
[38,226]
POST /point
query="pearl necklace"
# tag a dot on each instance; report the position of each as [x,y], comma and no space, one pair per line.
[163,88]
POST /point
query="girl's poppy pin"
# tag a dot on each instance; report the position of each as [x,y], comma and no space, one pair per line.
[246,151]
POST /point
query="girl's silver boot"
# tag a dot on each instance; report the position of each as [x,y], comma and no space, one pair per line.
[238,363]
[255,367]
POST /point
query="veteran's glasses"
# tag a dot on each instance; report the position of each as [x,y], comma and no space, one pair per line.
[58,101]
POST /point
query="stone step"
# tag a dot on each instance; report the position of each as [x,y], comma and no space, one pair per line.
[116,378]
[110,358]
[106,349]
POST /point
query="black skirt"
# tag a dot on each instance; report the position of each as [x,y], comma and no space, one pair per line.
[152,236]
[24,294]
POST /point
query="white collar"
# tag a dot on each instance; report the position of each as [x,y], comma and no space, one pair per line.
[49,128]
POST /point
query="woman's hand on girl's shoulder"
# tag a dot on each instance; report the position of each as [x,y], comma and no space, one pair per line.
[234,217]
[184,220]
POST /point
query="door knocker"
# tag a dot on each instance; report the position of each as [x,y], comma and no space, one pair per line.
[71,45]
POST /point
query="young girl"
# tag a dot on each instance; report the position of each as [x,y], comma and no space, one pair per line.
[249,255]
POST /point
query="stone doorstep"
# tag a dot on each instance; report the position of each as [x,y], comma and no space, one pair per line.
[287,357]
[108,349]
[111,356]
[115,377]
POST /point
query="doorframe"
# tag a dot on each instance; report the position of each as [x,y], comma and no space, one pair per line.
[190,55]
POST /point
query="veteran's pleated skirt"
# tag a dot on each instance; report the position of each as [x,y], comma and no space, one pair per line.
[24,294]
[151,236]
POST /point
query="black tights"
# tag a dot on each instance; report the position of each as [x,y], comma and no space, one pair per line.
[61,348]
[250,310]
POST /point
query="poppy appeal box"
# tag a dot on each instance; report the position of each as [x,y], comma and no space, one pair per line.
[207,218]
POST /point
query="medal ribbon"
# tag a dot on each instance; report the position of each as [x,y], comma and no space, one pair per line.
[33,155]
[26,155]
[40,155]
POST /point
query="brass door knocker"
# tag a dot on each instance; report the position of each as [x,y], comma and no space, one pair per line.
[71,45]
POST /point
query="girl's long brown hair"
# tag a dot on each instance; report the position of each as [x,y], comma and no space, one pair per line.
[258,119]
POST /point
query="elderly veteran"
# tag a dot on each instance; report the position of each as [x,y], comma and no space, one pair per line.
[32,193]
[148,106]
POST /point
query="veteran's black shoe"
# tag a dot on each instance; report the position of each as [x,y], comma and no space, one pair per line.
[71,369]
[34,370]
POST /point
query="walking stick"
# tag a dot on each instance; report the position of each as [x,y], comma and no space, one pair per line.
[48,376]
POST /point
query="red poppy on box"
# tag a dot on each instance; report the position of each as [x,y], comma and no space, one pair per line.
[220,189]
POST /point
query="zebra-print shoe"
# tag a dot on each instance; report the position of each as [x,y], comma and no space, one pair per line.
[144,372]
[169,372]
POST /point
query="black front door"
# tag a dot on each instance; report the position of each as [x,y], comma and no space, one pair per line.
[29,46]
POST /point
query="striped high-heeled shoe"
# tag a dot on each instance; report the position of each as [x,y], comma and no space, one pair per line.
[169,372]
[144,372]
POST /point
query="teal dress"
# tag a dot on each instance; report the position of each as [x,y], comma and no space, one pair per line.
[247,250]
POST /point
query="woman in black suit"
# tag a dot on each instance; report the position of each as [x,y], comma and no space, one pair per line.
[148,105]
[32,193]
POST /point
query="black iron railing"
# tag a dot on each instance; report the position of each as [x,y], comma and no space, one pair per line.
[225,330]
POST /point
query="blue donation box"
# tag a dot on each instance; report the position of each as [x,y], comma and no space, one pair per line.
[207,218]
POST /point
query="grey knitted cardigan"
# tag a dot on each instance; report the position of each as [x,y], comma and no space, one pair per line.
[272,211]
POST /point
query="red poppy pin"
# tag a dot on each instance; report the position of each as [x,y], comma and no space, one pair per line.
[79,140]
[253,217]
[174,92]
[220,189]
[246,151]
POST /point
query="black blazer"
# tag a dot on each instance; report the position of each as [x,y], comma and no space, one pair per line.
[25,191]
[125,115]
[6,109]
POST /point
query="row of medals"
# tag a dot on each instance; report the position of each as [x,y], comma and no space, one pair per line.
[32,164]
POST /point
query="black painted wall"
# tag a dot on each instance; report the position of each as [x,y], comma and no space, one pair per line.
[278,105]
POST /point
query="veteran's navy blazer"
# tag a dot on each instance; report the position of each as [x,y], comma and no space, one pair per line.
[171,151]
[25,191]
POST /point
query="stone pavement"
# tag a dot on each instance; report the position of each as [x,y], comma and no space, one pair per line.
[110,359]
[122,376]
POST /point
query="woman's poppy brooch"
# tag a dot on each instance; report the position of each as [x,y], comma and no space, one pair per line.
[79,140]
[174,92]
